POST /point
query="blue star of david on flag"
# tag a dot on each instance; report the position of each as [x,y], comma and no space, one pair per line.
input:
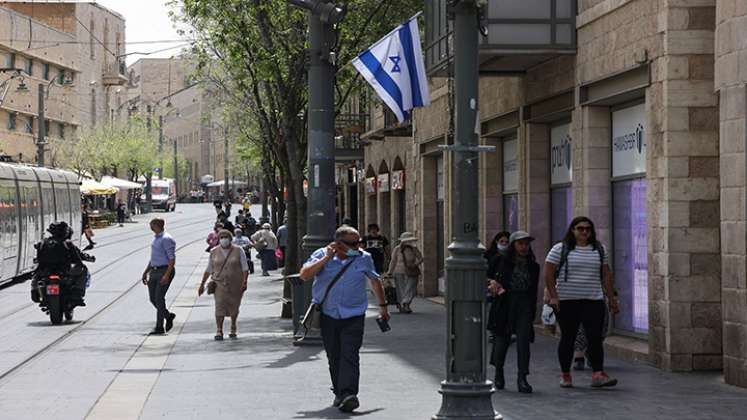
[395,60]
[403,85]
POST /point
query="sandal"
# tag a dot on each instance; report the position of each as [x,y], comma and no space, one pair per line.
[218,337]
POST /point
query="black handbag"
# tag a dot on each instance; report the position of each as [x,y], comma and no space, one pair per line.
[390,295]
[313,317]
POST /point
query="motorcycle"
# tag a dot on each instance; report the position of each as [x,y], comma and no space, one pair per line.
[58,292]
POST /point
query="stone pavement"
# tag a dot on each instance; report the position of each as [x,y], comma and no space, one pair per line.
[262,376]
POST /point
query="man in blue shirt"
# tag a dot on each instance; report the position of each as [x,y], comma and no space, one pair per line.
[159,273]
[344,309]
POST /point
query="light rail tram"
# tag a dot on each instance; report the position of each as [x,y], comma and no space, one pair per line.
[30,199]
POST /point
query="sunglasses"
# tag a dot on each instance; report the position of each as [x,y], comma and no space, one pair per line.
[350,244]
[583,228]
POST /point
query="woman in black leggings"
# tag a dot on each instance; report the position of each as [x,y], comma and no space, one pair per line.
[578,278]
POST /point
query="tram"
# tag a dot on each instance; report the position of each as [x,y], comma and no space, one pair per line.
[30,199]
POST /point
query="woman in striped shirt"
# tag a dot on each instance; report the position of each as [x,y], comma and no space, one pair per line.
[578,277]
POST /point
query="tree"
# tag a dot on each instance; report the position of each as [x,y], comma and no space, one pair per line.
[255,50]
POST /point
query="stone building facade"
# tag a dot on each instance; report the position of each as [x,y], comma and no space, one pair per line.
[151,81]
[74,50]
[642,129]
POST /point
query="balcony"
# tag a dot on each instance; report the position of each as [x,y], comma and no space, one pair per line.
[115,73]
[520,35]
[348,130]
[384,124]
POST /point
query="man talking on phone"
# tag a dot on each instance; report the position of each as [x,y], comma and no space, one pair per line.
[344,308]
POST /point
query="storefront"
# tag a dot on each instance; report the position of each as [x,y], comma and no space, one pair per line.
[629,220]
[561,178]
[510,185]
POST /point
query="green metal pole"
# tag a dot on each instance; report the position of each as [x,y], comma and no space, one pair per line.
[466,394]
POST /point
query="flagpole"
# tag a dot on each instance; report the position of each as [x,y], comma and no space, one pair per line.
[385,36]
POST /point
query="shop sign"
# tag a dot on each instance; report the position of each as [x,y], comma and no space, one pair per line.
[561,157]
[510,166]
[629,141]
[398,180]
[370,185]
[383,183]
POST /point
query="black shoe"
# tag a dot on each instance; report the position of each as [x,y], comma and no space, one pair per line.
[170,321]
[523,385]
[500,381]
[157,331]
[349,404]
[578,363]
[337,401]
[88,247]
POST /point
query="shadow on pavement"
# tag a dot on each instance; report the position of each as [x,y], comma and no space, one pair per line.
[334,413]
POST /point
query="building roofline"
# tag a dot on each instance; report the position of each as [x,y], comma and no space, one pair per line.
[38,22]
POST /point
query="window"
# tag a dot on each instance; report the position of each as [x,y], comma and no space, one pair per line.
[29,66]
[47,126]
[29,125]
[61,130]
[11,121]
[61,77]
[11,60]
[45,71]
[510,185]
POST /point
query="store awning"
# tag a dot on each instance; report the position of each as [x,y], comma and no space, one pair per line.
[91,187]
[231,183]
[120,183]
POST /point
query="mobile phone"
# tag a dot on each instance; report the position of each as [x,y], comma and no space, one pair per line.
[383,324]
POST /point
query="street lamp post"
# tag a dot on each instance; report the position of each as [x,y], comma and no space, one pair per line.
[466,393]
[321,144]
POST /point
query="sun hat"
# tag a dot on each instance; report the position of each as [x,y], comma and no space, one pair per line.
[519,235]
[407,237]
[266,226]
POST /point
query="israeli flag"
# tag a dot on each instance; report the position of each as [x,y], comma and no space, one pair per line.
[394,67]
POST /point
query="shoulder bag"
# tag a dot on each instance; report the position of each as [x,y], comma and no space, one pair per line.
[313,317]
[212,285]
[411,270]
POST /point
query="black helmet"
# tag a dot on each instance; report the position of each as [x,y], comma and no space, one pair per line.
[60,230]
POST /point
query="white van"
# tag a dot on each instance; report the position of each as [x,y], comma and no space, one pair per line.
[164,194]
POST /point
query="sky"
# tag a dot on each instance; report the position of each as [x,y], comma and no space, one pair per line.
[146,20]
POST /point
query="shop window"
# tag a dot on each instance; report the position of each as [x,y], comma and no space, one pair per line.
[510,185]
[561,176]
[629,219]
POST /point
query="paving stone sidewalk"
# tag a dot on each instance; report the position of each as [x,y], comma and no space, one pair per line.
[262,376]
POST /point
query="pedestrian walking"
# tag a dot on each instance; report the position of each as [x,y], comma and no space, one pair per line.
[227,208]
[497,247]
[159,273]
[247,202]
[265,242]
[229,270]
[138,203]
[339,272]
[212,239]
[513,284]
[86,227]
[218,204]
[240,219]
[245,243]
[405,268]
[377,245]
[578,277]
[282,241]
[121,212]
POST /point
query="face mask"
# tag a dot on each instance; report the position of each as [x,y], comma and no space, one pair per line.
[225,242]
[352,253]
[502,248]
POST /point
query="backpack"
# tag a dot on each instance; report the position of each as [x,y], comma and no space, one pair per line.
[564,261]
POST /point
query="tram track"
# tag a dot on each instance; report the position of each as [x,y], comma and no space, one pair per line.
[99,270]
[48,347]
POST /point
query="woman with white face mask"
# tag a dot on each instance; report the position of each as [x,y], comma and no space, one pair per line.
[497,247]
[229,270]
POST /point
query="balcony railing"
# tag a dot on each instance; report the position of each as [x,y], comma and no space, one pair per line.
[520,34]
[115,73]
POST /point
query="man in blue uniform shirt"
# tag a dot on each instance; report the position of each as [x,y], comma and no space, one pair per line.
[344,309]
[158,274]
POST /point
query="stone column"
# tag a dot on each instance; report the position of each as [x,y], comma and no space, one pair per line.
[427,191]
[538,186]
[593,151]
[730,79]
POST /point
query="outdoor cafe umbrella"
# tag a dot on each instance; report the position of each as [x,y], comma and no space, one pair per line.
[91,187]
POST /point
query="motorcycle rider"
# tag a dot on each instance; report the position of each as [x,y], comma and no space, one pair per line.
[58,254]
